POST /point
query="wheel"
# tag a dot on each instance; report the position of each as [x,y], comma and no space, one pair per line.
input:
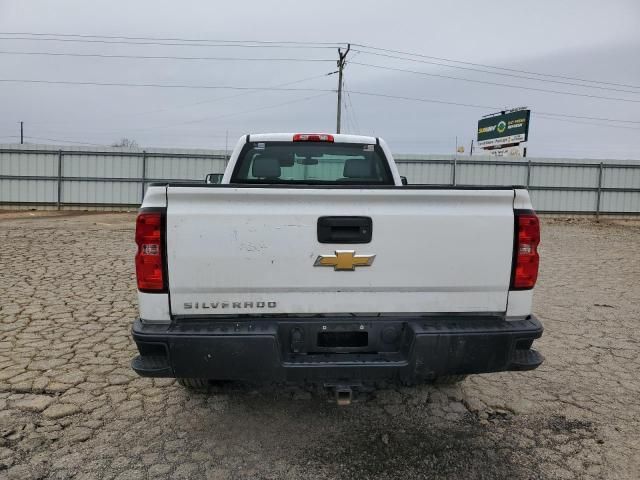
[449,379]
[194,383]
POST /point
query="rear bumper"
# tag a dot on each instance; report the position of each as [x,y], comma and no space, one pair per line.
[404,349]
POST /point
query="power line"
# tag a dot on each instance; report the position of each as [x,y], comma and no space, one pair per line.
[349,128]
[266,107]
[352,109]
[503,74]
[558,92]
[167,57]
[350,112]
[288,44]
[602,119]
[277,105]
[484,107]
[348,119]
[433,142]
[67,141]
[171,41]
[121,37]
[547,117]
[427,100]
[171,44]
[211,100]
[290,59]
[204,119]
[112,133]
[224,87]
[160,85]
[232,114]
[492,66]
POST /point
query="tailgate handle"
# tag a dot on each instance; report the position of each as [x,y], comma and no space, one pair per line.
[344,229]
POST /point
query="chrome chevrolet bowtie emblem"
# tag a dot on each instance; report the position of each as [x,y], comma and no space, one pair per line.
[344,260]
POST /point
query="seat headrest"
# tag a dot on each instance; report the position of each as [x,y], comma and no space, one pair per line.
[266,167]
[358,168]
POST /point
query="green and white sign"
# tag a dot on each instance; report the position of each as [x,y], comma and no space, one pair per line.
[504,129]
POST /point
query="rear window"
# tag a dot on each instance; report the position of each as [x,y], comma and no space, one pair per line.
[312,163]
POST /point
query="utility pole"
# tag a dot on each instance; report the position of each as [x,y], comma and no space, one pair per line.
[341,62]
[21,133]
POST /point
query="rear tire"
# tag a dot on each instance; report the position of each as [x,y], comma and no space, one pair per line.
[449,379]
[194,383]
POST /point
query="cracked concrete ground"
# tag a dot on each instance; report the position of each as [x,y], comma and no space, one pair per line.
[70,407]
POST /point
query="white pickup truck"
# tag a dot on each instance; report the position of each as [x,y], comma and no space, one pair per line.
[312,262]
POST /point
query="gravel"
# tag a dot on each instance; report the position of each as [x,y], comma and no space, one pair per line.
[70,407]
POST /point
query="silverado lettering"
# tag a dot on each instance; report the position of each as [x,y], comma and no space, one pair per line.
[198,305]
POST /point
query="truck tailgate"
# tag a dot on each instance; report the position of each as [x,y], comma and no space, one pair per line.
[252,250]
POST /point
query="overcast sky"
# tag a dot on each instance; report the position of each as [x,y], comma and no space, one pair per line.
[582,39]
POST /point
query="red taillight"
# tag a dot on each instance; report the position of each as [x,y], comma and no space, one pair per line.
[149,259]
[312,137]
[525,258]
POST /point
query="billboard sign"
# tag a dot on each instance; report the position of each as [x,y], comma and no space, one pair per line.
[506,128]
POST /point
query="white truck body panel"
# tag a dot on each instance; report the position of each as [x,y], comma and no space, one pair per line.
[519,304]
[155,307]
[437,250]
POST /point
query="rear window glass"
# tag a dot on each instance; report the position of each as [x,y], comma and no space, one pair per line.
[312,163]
